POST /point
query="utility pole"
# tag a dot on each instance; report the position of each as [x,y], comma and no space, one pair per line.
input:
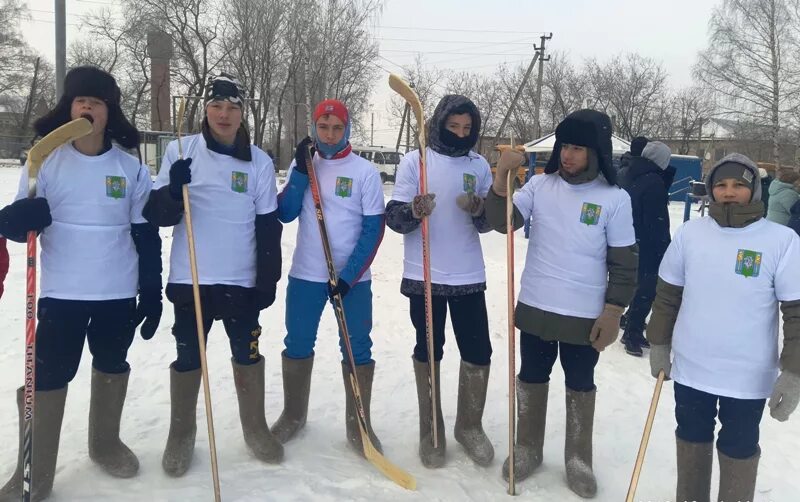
[61,45]
[372,130]
[542,60]
[402,126]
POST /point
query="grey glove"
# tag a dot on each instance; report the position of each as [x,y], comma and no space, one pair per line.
[659,360]
[470,202]
[509,160]
[785,396]
[606,327]
[423,205]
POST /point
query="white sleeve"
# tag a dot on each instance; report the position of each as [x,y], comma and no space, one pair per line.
[619,230]
[523,198]
[170,154]
[787,275]
[673,267]
[406,184]
[22,190]
[140,195]
[372,194]
[485,182]
[266,192]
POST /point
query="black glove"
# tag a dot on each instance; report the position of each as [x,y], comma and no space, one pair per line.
[23,216]
[179,175]
[342,288]
[148,310]
[300,155]
[265,296]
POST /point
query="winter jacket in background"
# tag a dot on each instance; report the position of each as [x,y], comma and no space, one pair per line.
[794,220]
[782,196]
[3,263]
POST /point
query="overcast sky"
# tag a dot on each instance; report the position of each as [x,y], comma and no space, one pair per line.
[503,30]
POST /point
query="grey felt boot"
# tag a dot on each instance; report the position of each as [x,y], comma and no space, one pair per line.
[473,381]
[183,390]
[694,471]
[578,442]
[431,457]
[531,420]
[249,382]
[365,374]
[105,413]
[296,389]
[737,477]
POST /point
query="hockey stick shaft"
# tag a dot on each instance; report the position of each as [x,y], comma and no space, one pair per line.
[648,426]
[198,314]
[512,363]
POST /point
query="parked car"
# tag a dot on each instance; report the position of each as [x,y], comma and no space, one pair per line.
[385,160]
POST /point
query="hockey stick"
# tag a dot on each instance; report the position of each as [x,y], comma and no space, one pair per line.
[68,132]
[512,349]
[198,315]
[648,426]
[388,469]
[402,88]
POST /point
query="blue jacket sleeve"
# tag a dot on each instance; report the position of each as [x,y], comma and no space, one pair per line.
[290,200]
[372,228]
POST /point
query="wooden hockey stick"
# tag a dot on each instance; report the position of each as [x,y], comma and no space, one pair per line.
[648,426]
[402,87]
[68,132]
[198,314]
[388,469]
[512,348]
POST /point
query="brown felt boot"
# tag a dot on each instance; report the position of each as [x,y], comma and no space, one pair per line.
[183,390]
[365,374]
[47,418]
[737,477]
[473,381]
[531,420]
[249,382]
[578,443]
[431,457]
[105,413]
[296,389]
[694,471]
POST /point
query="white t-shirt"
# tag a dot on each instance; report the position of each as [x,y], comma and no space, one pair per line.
[350,188]
[571,229]
[725,340]
[88,252]
[225,195]
[456,254]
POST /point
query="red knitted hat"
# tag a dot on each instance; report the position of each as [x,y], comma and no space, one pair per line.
[331,107]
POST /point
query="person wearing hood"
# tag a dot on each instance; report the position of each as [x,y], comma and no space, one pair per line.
[579,275]
[237,238]
[782,196]
[97,254]
[458,181]
[351,192]
[714,331]
[766,181]
[637,146]
[644,182]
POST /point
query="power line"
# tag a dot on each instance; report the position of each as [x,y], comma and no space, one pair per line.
[459,30]
[427,40]
[454,53]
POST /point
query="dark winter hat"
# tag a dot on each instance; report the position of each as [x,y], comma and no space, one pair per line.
[637,145]
[738,167]
[588,128]
[440,139]
[223,87]
[93,82]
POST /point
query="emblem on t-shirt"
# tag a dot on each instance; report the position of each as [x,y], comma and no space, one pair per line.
[344,186]
[470,183]
[748,263]
[590,213]
[239,182]
[115,187]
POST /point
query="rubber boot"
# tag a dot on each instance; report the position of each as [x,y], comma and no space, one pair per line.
[472,383]
[296,388]
[431,457]
[47,418]
[365,374]
[249,381]
[183,390]
[531,420]
[737,477]
[105,412]
[578,442]
[694,471]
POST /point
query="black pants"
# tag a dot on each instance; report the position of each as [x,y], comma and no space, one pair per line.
[233,305]
[108,325]
[696,412]
[470,324]
[642,302]
[539,356]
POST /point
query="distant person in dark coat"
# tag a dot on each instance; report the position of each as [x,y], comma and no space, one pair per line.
[766,180]
[647,181]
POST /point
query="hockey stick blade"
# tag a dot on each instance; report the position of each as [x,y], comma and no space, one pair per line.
[70,131]
[402,88]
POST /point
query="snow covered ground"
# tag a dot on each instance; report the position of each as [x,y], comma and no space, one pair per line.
[318,464]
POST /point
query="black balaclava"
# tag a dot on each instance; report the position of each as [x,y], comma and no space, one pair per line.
[445,142]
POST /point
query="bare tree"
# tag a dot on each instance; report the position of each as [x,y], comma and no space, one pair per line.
[691,108]
[426,82]
[751,61]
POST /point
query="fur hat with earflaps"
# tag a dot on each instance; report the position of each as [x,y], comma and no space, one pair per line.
[588,128]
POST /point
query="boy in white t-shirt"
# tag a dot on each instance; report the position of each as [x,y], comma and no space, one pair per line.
[97,253]
[580,274]
[238,247]
[351,192]
[458,180]
[716,311]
